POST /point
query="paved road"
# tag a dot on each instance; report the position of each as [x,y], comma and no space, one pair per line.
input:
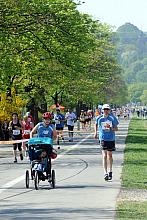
[81,193]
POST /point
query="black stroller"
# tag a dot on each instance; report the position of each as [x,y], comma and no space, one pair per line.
[40,152]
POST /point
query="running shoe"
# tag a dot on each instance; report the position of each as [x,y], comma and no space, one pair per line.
[110,175]
[106,177]
[15,160]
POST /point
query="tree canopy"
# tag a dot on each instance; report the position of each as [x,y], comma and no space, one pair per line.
[49,46]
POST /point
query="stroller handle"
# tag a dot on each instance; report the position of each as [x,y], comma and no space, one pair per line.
[40,140]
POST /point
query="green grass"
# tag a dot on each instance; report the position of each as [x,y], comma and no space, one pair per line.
[134,175]
[135,159]
[132,210]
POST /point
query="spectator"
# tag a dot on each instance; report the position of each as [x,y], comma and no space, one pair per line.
[5,130]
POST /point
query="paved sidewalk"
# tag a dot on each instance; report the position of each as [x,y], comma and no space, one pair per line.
[79,195]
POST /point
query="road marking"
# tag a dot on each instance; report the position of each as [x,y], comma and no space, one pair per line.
[11,183]
[20,178]
[73,147]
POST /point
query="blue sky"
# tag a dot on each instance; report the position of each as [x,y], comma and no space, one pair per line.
[117,12]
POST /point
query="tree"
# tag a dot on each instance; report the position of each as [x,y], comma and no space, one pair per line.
[49,47]
[143,97]
[9,104]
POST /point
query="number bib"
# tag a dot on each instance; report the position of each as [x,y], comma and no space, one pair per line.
[26,131]
[57,121]
[106,125]
[16,132]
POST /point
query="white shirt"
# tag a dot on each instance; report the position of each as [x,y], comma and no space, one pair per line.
[70,118]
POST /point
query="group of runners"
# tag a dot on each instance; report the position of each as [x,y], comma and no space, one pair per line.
[53,125]
[85,119]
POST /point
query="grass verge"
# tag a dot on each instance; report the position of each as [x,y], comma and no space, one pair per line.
[134,174]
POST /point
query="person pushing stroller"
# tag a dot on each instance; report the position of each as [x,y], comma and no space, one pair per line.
[45,129]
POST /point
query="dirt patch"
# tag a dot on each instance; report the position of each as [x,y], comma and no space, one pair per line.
[132,195]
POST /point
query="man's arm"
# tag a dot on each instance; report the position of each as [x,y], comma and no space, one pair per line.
[34,130]
[114,129]
[96,130]
[54,133]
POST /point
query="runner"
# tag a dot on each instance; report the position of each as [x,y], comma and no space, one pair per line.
[107,126]
[89,114]
[82,119]
[27,127]
[15,126]
[45,128]
[59,124]
[70,117]
[30,118]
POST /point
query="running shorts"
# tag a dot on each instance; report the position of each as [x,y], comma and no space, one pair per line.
[107,145]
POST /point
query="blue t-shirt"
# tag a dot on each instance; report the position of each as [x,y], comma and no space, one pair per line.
[59,120]
[45,131]
[105,124]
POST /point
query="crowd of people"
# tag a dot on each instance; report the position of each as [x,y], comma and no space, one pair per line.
[52,126]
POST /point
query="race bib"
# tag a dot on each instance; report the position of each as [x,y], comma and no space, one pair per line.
[57,121]
[26,131]
[16,132]
[107,125]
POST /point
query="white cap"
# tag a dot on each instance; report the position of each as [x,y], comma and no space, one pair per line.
[106,106]
[28,114]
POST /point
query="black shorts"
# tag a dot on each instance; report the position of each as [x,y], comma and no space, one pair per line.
[17,145]
[70,128]
[108,145]
[59,128]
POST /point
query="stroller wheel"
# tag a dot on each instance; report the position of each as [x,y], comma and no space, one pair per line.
[36,180]
[27,179]
[53,179]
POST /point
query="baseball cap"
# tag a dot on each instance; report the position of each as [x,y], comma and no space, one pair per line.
[106,106]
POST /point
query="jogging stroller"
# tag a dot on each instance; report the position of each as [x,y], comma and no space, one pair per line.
[40,151]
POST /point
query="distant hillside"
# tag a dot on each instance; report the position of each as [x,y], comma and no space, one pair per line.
[131,45]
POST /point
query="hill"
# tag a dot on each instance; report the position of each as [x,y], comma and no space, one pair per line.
[131,46]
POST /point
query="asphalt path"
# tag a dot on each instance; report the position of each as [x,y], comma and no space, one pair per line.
[81,192]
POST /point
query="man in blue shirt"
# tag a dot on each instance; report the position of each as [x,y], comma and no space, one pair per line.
[107,125]
[59,124]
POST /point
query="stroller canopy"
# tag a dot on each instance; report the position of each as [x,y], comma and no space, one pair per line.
[40,140]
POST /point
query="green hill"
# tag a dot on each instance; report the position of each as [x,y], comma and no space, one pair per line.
[131,46]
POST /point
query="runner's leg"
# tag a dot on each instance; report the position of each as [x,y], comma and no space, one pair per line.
[104,159]
[15,152]
[20,150]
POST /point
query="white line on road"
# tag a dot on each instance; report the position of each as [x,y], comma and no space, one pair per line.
[20,178]
[11,183]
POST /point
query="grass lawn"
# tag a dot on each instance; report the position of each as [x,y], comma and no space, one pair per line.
[132,210]
[134,174]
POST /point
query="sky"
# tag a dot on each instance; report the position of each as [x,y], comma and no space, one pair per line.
[117,12]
